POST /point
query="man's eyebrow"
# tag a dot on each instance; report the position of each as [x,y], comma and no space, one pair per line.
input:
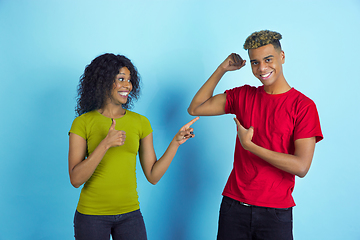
[270,56]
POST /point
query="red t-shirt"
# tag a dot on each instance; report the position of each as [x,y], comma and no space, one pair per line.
[278,120]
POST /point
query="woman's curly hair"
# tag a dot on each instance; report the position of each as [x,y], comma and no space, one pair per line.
[97,82]
[262,38]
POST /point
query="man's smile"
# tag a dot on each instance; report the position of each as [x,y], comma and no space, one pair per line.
[266,76]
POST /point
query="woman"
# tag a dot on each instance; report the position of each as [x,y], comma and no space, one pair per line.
[103,142]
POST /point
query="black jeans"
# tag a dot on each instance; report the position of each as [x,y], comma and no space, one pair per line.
[240,222]
[129,226]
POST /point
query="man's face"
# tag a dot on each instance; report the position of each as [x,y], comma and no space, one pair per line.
[266,63]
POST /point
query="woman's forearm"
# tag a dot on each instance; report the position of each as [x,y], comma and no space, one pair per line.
[161,166]
[81,172]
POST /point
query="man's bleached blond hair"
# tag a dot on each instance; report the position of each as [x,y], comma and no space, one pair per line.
[262,38]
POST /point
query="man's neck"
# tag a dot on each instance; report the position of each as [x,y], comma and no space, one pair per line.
[278,87]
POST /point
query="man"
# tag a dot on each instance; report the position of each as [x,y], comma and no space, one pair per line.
[277,130]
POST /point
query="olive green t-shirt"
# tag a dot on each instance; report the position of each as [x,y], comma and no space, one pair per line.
[111,189]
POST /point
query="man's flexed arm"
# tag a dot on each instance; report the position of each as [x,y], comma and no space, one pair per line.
[204,103]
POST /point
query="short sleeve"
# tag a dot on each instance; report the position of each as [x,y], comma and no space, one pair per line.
[237,98]
[145,127]
[233,98]
[78,127]
[230,101]
[308,123]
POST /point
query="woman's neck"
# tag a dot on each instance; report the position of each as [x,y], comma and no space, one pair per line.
[112,111]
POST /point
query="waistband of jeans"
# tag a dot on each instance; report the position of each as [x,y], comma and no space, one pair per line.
[249,205]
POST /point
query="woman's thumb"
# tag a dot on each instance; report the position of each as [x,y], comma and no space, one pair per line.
[112,127]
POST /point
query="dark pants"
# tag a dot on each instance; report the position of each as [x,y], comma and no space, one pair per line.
[240,222]
[128,226]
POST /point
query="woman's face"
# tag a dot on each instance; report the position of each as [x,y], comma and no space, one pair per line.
[121,87]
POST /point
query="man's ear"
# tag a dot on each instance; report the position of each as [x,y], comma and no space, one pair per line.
[282,56]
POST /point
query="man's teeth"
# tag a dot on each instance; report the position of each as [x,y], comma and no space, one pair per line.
[265,75]
[123,93]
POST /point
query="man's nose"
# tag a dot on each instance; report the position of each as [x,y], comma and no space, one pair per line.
[262,66]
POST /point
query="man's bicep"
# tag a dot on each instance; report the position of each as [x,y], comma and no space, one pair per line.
[213,106]
[305,146]
[304,149]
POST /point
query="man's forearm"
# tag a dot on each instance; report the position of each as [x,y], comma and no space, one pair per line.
[286,162]
[297,164]
[206,91]
[204,103]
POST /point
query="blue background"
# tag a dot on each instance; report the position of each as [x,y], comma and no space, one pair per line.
[176,45]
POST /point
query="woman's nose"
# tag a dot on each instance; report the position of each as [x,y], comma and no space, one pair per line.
[127,84]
